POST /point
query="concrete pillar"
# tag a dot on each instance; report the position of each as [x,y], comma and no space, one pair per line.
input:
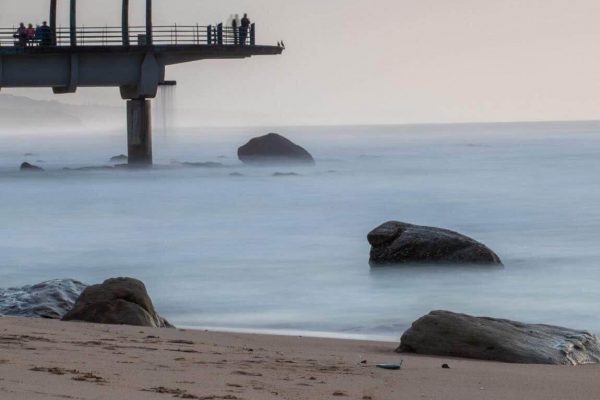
[52,21]
[125,22]
[149,38]
[73,23]
[139,132]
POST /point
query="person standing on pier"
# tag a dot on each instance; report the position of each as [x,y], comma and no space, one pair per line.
[245,26]
[21,35]
[44,34]
[30,34]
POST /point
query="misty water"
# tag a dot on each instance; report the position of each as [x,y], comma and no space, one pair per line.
[164,110]
[289,253]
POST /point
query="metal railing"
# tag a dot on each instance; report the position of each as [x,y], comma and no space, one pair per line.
[217,35]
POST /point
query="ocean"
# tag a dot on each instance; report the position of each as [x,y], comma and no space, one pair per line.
[288,254]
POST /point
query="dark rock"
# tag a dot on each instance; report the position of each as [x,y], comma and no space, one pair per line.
[90,168]
[121,301]
[285,174]
[446,334]
[119,158]
[30,167]
[398,243]
[209,164]
[51,299]
[445,366]
[273,149]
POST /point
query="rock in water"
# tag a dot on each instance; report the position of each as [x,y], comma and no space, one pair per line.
[273,149]
[51,299]
[30,167]
[209,164]
[119,158]
[446,334]
[398,243]
[280,174]
[119,301]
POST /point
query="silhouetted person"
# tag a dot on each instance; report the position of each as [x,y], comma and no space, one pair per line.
[244,27]
[21,35]
[236,31]
[30,33]
[44,34]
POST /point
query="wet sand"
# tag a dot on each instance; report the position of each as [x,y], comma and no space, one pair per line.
[43,359]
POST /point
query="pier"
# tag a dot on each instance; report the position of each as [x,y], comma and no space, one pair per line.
[132,58]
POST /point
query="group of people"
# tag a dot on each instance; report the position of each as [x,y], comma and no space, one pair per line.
[28,35]
[241,28]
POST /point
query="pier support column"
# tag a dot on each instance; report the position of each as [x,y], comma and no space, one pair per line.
[73,23]
[125,22]
[139,132]
[52,21]
[149,39]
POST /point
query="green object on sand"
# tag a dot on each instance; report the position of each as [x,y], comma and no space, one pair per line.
[390,366]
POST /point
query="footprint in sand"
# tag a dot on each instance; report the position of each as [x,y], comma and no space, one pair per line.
[79,376]
[89,377]
[246,373]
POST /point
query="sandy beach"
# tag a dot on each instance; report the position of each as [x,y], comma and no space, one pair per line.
[46,359]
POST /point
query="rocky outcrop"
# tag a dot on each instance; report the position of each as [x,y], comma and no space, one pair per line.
[30,167]
[119,158]
[120,301]
[443,333]
[90,168]
[51,299]
[209,164]
[273,149]
[399,243]
[280,174]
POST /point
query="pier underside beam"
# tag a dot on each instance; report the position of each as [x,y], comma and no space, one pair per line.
[139,132]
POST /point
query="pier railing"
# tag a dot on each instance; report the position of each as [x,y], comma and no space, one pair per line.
[217,35]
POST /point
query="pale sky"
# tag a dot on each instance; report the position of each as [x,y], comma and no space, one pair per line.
[378,61]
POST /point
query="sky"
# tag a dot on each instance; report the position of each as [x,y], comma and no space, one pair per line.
[376,61]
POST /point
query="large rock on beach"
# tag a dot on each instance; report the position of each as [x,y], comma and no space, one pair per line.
[399,243]
[51,299]
[30,167]
[273,149]
[118,301]
[446,334]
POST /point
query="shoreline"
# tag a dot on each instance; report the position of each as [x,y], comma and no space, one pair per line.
[297,333]
[45,359]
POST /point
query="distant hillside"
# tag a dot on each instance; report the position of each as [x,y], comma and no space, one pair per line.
[24,113]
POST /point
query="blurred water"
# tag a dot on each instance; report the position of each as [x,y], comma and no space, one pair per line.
[290,253]
[164,110]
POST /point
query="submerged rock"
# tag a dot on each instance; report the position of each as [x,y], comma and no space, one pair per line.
[120,301]
[119,158]
[446,334]
[30,167]
[51,299]
[90,168]
[285,174]
[273,149]
[398,242]
[209,164]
